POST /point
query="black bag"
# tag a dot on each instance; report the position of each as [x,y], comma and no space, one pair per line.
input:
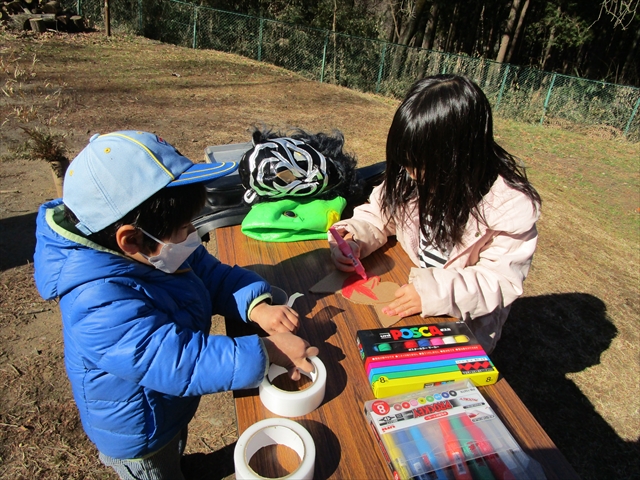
[225,203]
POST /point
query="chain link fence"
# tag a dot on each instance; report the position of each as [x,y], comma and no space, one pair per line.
[520,93]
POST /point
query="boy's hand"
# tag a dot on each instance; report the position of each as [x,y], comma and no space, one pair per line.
[407,302]
[290,352]
[275,318]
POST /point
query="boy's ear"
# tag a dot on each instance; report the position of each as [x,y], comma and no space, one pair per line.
[129,239]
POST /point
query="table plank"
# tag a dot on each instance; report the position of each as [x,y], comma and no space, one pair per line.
[345,447]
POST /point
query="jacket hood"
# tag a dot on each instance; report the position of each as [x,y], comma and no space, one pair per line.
[62,256]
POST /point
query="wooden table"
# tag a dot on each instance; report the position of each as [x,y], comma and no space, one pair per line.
[345,446]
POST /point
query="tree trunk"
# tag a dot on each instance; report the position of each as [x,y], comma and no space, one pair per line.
[394,30]
[516,35]
[412,26]
[78,22]
[430,30]
[107,18]
[37,25]
[452,29]
[58,169]
[408,32]
[630,60]
[550,42]
[508,31]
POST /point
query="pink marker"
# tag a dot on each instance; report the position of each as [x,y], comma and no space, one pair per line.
[347,252]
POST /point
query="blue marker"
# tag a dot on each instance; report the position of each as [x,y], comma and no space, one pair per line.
[426,452]
[412,456]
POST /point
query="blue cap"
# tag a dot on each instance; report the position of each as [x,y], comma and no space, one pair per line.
[118,171]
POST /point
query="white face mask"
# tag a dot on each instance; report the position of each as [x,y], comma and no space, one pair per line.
[172,255]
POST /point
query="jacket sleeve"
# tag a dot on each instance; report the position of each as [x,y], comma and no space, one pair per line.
[494,281]
[367,225]
[118,331]
[234,290]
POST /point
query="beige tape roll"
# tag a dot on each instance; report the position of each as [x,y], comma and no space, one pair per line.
[294,404]
[275,431]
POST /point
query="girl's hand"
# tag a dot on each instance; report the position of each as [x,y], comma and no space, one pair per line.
[343,263]
[407,302]
[275,318]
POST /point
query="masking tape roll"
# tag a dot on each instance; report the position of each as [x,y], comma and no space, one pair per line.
[294,404]
[275,431]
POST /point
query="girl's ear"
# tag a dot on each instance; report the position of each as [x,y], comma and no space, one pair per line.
[129,239]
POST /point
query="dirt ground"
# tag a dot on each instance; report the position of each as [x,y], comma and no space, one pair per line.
[192,109]
[85,84]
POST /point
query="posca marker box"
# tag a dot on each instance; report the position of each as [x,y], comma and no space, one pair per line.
[446,432]
[405,359]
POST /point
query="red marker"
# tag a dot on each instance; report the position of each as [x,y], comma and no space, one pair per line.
[454,452]
[496,465]
[347,252]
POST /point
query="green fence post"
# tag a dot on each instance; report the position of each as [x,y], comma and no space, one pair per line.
[195,22]
[260,39]
[502,85]
[381,69]
[324,56]
[79,7]
[546,100]
[633,114]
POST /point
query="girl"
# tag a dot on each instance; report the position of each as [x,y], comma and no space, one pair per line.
[458,203]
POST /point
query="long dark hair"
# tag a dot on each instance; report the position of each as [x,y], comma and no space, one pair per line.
[442,135]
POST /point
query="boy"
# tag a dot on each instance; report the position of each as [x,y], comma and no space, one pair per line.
[137,291]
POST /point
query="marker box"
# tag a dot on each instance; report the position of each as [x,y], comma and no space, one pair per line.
[405,359]
[446,431]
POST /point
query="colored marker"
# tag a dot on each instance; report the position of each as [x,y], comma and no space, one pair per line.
[477,464]
[347,252]
[454,452]
[412,456]
[425,450]
[396,457]
[498,467]
[382,347]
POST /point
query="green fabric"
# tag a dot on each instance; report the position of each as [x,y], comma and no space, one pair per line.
[304,219]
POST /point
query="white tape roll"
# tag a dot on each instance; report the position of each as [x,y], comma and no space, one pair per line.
[275,431]
[294,404]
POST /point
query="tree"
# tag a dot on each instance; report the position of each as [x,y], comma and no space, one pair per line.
[508,31]
[516,35]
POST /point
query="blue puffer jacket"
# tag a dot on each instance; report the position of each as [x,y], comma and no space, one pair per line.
[137,346]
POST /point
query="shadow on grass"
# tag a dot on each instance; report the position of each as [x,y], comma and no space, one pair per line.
[209,466]
[545,338]
[17,240]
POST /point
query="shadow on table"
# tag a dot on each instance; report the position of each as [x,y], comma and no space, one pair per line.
[545,338]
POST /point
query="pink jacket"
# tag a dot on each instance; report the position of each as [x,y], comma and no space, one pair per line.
[484,273]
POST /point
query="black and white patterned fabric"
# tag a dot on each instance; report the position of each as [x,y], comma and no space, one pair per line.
[284,168]
[430,256]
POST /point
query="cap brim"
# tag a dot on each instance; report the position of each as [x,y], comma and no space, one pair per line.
[204,172]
